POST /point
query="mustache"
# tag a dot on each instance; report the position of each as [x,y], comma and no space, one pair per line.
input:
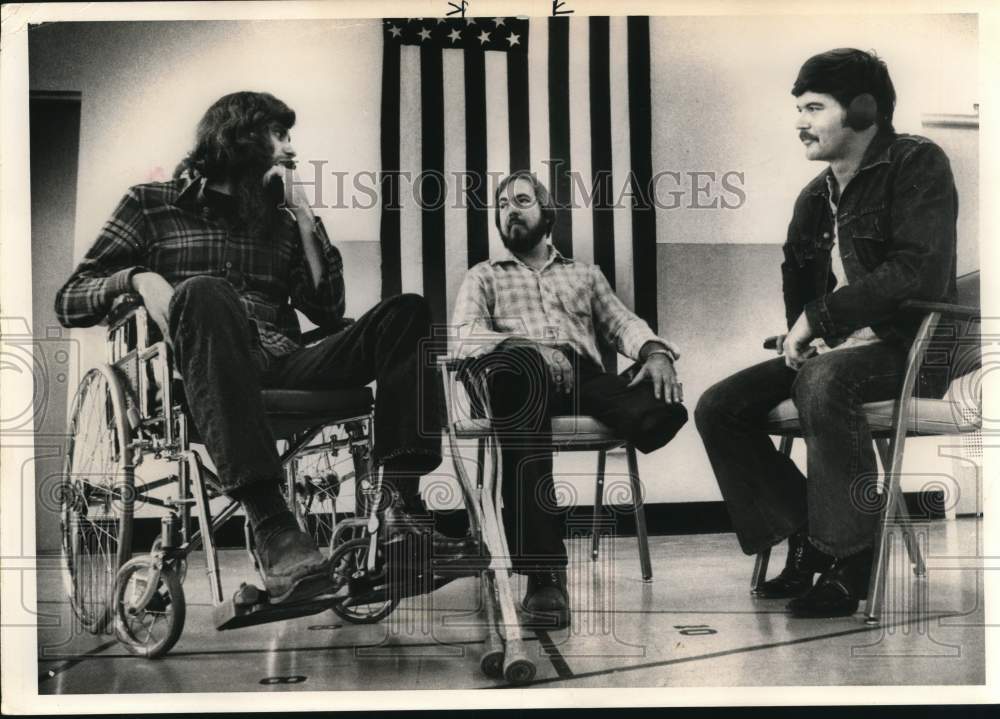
[806,136]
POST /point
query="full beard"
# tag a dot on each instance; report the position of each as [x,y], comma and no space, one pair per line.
[257,203]
[524,241]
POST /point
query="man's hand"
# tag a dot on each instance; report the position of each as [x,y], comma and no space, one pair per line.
[294,197]
[156,293]
[659,369]
[560,369]
[796,346]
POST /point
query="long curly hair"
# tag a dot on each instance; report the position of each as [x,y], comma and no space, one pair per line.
[232,136]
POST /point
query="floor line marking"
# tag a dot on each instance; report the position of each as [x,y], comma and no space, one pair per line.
[555,657]
[726,652]
[71,662]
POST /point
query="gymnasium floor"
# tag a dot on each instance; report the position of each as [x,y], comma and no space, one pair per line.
[695,624]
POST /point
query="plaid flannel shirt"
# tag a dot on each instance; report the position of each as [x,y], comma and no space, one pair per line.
[565,303]
[172,229]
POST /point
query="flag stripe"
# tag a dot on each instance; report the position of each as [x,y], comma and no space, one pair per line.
[538,98]
[497,135]
[410,157]
[519,108]
[455,213]
[640,129]
[579,140]
[475,152]
[432,185]
[559,179]
[600,146]
[621,161]
[390,227]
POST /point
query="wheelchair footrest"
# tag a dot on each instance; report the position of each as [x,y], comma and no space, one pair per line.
[249,606]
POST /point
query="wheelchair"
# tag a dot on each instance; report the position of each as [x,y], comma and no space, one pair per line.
[132,410]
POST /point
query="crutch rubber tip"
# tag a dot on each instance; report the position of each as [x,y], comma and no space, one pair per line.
[491,664]
[519,671]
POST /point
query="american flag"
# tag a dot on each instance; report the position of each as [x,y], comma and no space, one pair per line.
[473,99]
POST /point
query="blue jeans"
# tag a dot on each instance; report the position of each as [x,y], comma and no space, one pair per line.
[766,495]
[224,370]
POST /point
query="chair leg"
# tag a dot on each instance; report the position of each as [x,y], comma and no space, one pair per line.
[640,514]
[912,547]
[602,458]
[764,556]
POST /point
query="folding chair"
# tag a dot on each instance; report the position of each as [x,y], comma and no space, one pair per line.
[892,421]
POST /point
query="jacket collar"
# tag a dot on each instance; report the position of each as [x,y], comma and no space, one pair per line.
[877,153]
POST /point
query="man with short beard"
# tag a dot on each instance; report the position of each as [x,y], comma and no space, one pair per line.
[532,318]
[223,255]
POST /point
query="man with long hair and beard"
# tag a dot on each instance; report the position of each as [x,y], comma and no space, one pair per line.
[222,256]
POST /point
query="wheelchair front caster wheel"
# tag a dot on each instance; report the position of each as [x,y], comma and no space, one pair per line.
[374,603]
[519,671]
[491,664]
[148,623]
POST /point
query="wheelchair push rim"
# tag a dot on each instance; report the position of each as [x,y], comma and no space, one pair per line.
[96,497]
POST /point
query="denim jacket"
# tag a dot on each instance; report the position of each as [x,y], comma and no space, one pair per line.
[897,238]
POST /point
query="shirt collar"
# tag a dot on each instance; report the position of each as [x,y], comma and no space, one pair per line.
[192,195]
[554,256]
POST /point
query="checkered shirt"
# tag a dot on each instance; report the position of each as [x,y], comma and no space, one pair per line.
[565,303]
[171,229]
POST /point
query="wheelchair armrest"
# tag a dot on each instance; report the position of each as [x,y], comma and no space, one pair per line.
[316,334]
[946,309]
[123,306]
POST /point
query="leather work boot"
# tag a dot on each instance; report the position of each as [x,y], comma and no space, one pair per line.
[802,562]
[547,600]
[292,567]
[839,589]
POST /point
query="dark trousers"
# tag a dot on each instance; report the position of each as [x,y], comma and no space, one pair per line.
[766,495]
[224,370]
[523,400]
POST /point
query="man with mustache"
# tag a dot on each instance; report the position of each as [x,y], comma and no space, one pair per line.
[223,255]
[874,229]
[532,317]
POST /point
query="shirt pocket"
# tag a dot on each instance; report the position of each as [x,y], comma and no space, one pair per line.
[575,302]
[870,225]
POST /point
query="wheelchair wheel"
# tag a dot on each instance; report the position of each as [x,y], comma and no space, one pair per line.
[148,628]
[368,601]
[96,497]
[316,506]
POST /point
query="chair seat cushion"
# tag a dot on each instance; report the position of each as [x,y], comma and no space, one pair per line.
[568,432]
[292,411]
[926,417]
[339,402]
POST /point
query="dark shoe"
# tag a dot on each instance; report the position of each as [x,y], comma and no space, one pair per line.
[802,562]
[292,567]
[546,600]
[443,547]
[839,589]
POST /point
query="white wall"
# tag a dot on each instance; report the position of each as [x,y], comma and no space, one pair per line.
[721,102]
